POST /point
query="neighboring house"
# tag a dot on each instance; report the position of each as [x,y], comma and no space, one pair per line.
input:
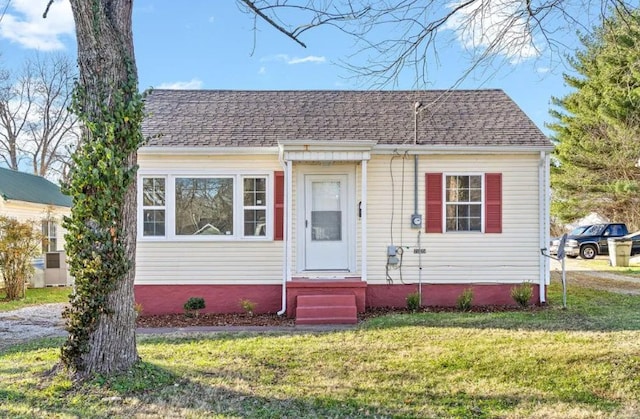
[589,219]
[32,198]
[274,195]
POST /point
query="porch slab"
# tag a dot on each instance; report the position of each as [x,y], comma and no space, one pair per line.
[306,286]
[326,309]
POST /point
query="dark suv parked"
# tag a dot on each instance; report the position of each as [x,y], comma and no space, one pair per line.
[593,241]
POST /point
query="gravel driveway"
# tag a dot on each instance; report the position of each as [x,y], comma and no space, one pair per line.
[30,323]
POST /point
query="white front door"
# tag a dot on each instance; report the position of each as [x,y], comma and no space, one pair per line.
[326,246]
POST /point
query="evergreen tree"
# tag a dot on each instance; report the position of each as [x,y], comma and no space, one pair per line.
[598,127]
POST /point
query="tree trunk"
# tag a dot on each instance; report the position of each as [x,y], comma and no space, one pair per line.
[107,69]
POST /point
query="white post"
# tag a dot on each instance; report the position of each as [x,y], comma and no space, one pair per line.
[363,220]
[564,285]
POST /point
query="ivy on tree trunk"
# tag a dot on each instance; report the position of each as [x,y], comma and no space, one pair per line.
[101,238]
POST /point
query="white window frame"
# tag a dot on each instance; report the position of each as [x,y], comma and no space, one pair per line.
[238,206]
[445,202]
[263,207]
[50,222]
[151,207]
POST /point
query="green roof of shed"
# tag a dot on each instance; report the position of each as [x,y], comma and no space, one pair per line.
[26,187]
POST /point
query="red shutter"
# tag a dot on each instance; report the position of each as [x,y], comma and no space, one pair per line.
[278,206]
[433,194]
[493,203]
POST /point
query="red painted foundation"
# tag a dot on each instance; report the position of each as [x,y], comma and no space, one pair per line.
[164,299]
[444,295]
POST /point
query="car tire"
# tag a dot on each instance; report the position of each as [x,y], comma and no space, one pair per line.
[588,251]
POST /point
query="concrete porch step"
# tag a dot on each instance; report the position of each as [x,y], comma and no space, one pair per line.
[326,309]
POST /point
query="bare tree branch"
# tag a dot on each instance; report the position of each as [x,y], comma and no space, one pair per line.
[46,10]
[258,12]
[35,123]
[399,35]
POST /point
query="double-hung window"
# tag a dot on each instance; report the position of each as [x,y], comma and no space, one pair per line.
[206,207]
[463,202]
[254,191]
[153,206]
[49,235]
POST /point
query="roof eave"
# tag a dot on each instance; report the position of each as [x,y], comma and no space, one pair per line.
[36,203]
[320,145]
[191,150]
[460,149]
[370,145]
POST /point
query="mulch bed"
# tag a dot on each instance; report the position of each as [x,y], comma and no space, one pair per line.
[273,320]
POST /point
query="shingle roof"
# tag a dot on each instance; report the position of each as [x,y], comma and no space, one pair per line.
[262,118]
[26,187]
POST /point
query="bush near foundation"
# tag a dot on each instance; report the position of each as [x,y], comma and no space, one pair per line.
[19,243]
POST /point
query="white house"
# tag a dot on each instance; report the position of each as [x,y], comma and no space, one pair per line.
[300,200]
[30,198]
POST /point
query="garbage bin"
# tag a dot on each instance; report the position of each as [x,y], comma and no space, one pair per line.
[37,279]
[619,251]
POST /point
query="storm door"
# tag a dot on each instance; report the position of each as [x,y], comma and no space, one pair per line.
[325,223]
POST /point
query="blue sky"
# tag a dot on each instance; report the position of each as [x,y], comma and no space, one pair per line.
[210,45]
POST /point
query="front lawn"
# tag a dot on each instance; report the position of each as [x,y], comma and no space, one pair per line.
[602,264]
[36,296]
[581,362]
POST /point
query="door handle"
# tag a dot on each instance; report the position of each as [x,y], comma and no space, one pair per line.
[306,223]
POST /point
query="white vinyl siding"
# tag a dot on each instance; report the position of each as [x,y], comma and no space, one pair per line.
[36,213]
[167,261]
[463,257]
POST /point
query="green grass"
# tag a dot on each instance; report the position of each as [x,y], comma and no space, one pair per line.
[36,296]
[602,264]
[582,362]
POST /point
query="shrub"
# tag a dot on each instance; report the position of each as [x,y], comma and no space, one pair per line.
[463,303]
[19,243]
[138,309]
[413,301]
[194,305]
[248,306]
[522,294]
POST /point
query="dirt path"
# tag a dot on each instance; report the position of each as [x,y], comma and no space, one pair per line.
[580,272]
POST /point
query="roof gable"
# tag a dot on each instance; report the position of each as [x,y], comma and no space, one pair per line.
[26,187]
[223,118]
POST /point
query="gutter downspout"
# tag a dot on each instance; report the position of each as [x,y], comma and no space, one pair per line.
[543,222]
[285,265]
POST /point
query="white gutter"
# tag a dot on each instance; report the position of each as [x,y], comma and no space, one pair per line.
[447,149]
[199,151]
[543,223]
[340,145]
[287,246]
